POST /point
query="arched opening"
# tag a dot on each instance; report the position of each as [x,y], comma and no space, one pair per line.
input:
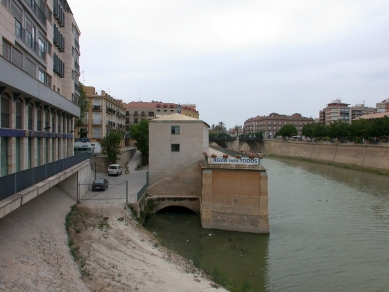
[176,210]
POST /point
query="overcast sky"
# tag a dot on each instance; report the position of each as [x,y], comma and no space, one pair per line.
[237,59]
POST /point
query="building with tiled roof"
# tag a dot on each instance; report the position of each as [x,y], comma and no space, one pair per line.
[138,110]
[269,125]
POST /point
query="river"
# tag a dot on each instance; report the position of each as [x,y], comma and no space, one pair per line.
[329,231]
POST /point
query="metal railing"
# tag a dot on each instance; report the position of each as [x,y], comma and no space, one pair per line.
[143,190]
[18,181]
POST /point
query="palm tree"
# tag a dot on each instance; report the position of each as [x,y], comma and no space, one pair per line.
[236,129]
[221,126]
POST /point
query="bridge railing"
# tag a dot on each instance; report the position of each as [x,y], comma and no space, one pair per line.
[222,138]
[13,183]
[143,190]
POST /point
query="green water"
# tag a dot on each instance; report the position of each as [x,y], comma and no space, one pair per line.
[329,231]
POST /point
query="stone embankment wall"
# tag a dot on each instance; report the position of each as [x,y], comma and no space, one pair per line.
[181,189]
[363,155]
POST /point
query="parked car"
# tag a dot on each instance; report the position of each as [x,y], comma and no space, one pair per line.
[100,184]
[115,169]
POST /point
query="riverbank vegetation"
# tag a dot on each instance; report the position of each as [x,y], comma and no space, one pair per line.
[359,131]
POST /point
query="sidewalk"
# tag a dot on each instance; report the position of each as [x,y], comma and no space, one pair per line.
[116,192]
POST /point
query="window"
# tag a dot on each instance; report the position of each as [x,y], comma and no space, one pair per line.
[29,117]
[39,119]
[175,130]
[5,112]
[30,34]
[17,58]
[30,67]
[96,132]
[7,50]
[53,122]
[18,115]
[135,121]
[175,147]
[4,156]
[47,122]
[151,114]
[17,152]
[42,47]
[6,3]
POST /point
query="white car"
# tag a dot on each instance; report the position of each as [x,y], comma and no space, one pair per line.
[115,169]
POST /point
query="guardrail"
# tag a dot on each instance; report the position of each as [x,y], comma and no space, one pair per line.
[18,181]
[143,189]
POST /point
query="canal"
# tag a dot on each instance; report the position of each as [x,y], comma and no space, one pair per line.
[329,231]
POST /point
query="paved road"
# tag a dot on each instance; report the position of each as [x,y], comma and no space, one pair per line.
[116,192]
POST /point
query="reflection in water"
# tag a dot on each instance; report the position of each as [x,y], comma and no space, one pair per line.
[329,231]
[241,257]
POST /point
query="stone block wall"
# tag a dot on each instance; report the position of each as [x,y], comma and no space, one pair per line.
[235,199]
[185,184]
[364,155]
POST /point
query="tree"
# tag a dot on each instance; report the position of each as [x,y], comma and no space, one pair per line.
[361,128]
[221,126]
[83,103]
[308,130]
[110,145]
[287,131]
[338,129]
[236,129]
[140,133]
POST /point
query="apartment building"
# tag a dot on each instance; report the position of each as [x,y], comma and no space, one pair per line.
[269,125]
[336,110]
[138,110]
[39,87]
[105,114]
[383,106]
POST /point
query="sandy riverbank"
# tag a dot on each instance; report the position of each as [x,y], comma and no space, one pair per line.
[35,256]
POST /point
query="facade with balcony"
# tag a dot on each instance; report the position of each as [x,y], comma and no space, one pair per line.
[105,114]
[336,110]
[138,110]
[271,124]
[38,83]
[383,106]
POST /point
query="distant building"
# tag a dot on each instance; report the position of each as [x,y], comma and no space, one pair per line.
[269,125]
[373,116]
[383,106]
[336,110]
[138,110]
[105,114]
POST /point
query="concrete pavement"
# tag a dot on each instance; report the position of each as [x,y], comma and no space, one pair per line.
[116,192]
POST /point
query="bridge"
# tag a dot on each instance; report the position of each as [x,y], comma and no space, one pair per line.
[255,144]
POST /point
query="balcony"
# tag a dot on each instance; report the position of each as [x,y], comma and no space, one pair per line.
[76,88]
[76,44]
[110,110]
[96,108]
[77,66]
[37,10]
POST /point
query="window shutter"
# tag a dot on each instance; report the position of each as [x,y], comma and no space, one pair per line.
[17,12]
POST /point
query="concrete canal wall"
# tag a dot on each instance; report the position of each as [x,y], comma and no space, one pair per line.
[363,155]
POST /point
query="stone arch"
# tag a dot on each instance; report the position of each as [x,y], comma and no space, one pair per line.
[192,203]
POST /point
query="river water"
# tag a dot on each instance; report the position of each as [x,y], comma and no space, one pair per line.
[329,231]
